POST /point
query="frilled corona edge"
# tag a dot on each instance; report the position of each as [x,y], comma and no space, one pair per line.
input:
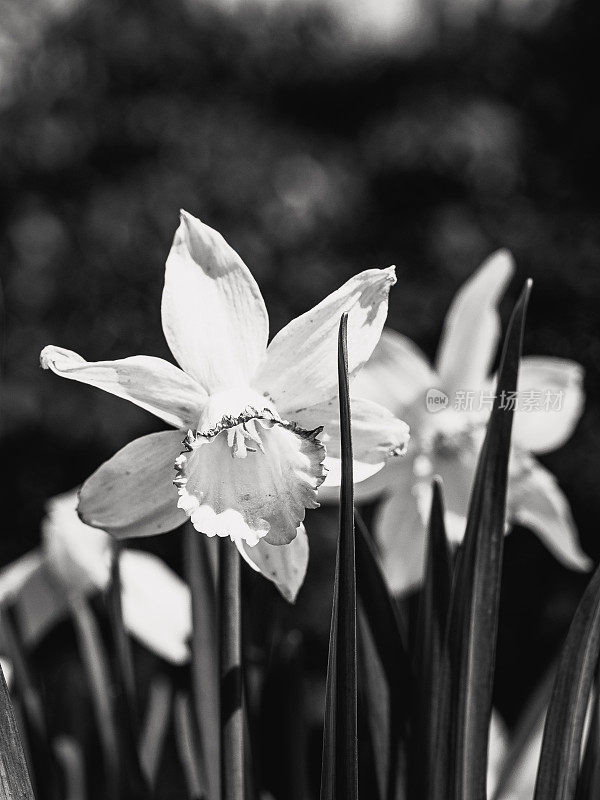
[287,476]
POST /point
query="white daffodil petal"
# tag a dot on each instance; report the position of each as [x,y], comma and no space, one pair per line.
[472,326]
[550,403]
[214,317]
[377,435]
[396,473]
[157,606]
[15,577]
[77,554]
[396,375]
[149,382]
[375,477]
[457,471]
[132,494]
[285,565]
[536,502]
[263,494]
[400,533]
[301,365]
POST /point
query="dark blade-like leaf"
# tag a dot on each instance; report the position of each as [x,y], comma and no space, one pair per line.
[69,755]
[387,628]
[430,655]
[339,771]
[14,777]
[588,785]
[187,746]
[134,783]
[155,727]
[95,664]
[385,675]
[45,771]
[563,732]
[205,654]
[473,614]
[121,639]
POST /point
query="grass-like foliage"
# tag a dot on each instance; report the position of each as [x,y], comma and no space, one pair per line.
[408,700]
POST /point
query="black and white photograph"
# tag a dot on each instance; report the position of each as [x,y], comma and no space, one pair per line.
[299,400]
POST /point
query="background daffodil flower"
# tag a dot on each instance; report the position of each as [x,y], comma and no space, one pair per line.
[74,561]
[247,451]
[447,407]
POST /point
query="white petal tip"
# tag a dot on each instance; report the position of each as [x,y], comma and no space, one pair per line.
[186,218]
[46,357]
[581,562]
[502,259]
[391,274]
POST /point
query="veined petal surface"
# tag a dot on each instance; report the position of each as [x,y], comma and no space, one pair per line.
[377,435]
[149,382]
[284,565]
[132,494]
[301,364]
[472,326]
[213,313]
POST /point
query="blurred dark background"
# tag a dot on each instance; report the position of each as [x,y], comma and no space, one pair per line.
[320,139]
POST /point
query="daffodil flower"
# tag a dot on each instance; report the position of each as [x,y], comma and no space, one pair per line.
[74,561]
[251,421]
[447,407]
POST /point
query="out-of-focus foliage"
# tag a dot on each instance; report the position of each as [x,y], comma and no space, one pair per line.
[319,143]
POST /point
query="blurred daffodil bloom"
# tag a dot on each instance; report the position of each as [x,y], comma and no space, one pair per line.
[252,421]
[447,406]
[74,562]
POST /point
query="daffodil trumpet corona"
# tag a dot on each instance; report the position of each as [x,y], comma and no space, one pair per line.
[256,422]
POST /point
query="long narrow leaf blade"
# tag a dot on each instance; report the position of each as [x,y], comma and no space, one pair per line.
[380,609]
[588,785]
[339,774]
[155,727]
[134,781]
[430,657]
[45,769]
[14,777]
[473,615]
[95,664]
[187,746]
[563,732]
[385,676]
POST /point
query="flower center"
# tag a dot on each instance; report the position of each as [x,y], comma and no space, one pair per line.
[450,433]
[242,428]
[225,493]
